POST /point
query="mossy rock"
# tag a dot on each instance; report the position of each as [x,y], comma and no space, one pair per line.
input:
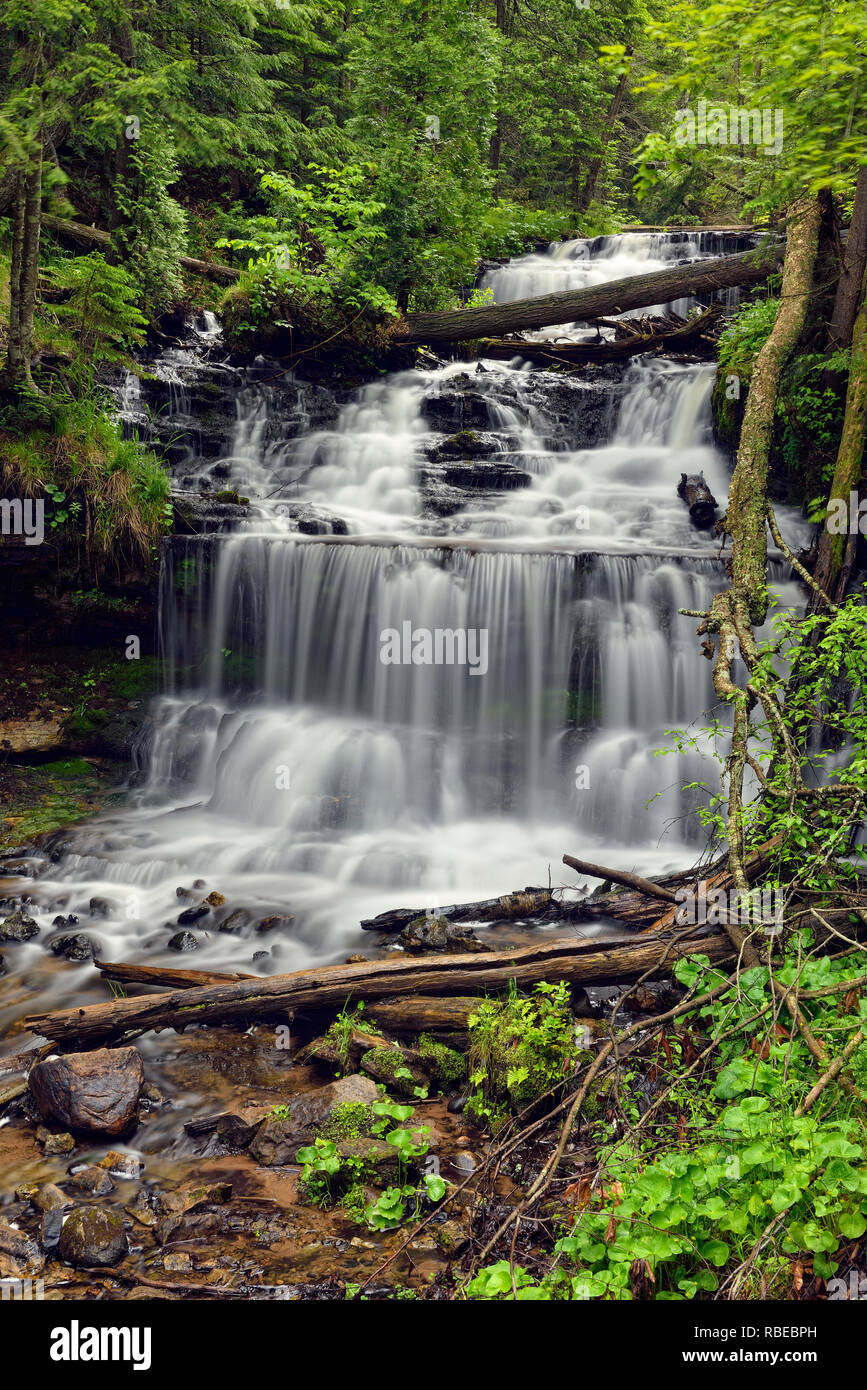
[447,1067]
[399,1069]
[348,1120]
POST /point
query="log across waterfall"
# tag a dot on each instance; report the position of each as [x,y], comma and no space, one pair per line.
[312,785]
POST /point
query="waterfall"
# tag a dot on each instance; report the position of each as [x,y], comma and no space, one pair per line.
[293,768]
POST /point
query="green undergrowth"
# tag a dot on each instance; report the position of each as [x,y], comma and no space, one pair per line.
[736,1184]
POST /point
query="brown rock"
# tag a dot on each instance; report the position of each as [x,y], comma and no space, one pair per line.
[91,1181]
[90,1091]
[54,1143]
[277,1140]
[19,1255]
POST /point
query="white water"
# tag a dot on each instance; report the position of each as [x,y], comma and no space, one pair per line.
[422,785]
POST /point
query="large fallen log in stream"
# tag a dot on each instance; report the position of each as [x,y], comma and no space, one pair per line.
[330,986]
[594,301]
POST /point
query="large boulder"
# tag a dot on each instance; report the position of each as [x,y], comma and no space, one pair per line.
[95,1092]
[93,1236]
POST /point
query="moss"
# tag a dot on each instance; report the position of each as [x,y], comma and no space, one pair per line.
[229,495]
[348,1120]
[354,1203]
[448,1065]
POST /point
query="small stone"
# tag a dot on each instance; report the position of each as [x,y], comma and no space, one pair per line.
[275,923]
[183,941]
[260,955]
[18,927]
[54,1143]
[152,1094]
[185,893]
[451,1237]
[216,899]
[178,1262]
[193,914]
[121,1165]
[93,1236]
[92,1181]
[356,960]
[21,1255]
[49,1197]
[78,947]
[236,921]
[50,1229]
[101,907]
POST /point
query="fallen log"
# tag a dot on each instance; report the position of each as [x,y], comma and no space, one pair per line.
[682,336]
[510,907]
[423,1013]
[94,236]
[643,885]
[579,962]
[594,301]
[128,974]
[694,491]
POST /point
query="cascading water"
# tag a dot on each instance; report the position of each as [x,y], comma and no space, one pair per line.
[292,769]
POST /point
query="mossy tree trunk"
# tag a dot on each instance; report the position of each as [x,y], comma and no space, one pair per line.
[24,273]
[833,549]
[744,605]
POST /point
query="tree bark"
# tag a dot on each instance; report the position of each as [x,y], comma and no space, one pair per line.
[588,192]
[850,457]
[596,301]
[746,520]
[579,962]
[24,274]
[853,270]
[95,236]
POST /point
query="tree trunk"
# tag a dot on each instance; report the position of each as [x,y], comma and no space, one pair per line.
[596,301]
[24,274]
[850,460]
[580,962]
[95,236]
[852,274]
[746,518]
[589,190]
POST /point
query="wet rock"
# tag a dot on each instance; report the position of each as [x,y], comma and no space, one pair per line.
[215,899]
[188,893]
[177,1262]
[275,923]
[91,1181]
[259,955]
[236,921]
[277,1140]
[3,966]
[93,1236]
[379,1159]
[77,947]
[142,1209]
[101,907]
[326,1051]
[19,1255]
[54,1143]
[49,1197]
[193,914]
[50,1228]
[438,934]
[357,960]
[183,941]
[451,1237]
[18,927]
[456,409]
[90,1091]
[228,1130]
[121,1165]
[398,1068]
[61,921]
